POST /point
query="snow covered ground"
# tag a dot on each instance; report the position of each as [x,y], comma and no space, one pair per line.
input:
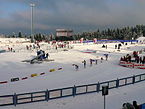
[11,66]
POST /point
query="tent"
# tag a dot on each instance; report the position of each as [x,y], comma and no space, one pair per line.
[141,39]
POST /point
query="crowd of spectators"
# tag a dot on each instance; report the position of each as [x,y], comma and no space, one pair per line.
[134,105]
[133,58]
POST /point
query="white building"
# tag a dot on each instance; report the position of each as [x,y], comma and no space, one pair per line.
[64,32]
[141,39]
[2,36]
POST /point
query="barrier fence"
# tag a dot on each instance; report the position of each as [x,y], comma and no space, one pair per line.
[66,92]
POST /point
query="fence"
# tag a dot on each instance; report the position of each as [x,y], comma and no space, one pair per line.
[132,65]
[66,92]
[87,41]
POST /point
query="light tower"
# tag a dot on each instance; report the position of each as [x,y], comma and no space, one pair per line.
[32,25]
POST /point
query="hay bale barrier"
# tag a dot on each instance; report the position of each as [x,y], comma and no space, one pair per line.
[51,70]
[33,75]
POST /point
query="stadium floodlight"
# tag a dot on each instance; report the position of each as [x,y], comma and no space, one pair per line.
[32,25]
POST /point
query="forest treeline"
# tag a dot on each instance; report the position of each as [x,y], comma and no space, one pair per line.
[125,33]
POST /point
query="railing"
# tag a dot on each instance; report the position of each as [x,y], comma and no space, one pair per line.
[66,92]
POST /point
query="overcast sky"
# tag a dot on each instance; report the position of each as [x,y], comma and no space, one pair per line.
[79,15]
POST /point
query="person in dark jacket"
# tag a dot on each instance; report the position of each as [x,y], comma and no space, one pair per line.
[140,59]
[136,106]
[76,66]
[96,61]
[127,106]
[115,46]
[46,57]
[91,62]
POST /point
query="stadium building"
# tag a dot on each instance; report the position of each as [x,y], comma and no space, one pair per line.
[64,33]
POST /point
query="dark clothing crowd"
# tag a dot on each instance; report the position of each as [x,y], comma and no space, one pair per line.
[134,105]
[137,58]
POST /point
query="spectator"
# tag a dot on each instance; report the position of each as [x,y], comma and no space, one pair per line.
[46,57]
[127,106]
[143,61]
[27,47]
[123,106]
[11,49]
[119,45]
[115,46]
[96,61]
[135,54]
[129,58]
[121,59]
[30,46]
[34,46]
[140,59]
[106,46]
[136,106]
[103,46]
[137,59]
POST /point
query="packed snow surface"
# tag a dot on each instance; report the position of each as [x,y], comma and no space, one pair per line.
[11,66]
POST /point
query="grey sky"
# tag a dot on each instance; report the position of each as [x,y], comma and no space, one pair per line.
[79,15]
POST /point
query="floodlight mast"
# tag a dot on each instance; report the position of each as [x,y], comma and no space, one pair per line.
[32,25]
